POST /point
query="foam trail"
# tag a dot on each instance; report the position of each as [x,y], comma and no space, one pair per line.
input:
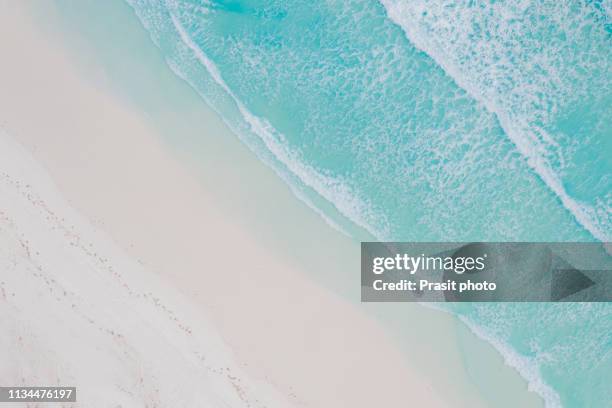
[331,188]
[527,368]
[294,189]
[451,46]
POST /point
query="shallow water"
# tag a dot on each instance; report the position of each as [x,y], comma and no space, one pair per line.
[429,121]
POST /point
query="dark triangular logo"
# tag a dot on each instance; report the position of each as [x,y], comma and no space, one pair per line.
[566,282]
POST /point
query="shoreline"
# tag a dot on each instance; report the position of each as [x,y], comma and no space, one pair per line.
[183,151]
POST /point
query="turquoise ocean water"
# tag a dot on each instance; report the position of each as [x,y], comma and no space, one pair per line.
[413,120]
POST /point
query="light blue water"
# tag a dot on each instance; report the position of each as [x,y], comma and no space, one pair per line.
[429,121]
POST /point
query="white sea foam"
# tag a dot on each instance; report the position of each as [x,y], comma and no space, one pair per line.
[527,367]
[302,196]
[447,38]
[306,200]
[216,76]
[332,188]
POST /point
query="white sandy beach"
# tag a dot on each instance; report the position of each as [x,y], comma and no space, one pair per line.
[135,230]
